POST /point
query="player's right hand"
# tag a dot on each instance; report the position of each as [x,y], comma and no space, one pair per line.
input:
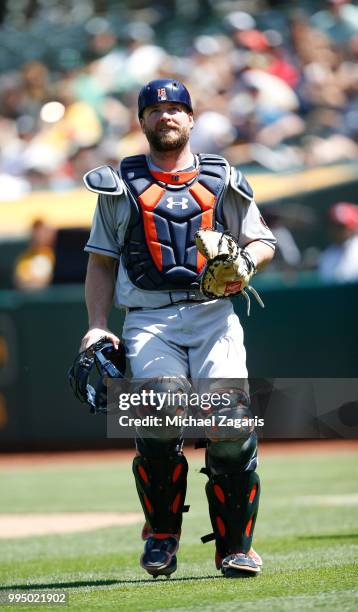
[95,334]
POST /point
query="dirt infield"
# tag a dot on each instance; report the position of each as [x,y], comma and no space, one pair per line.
[25,525]
[16,460]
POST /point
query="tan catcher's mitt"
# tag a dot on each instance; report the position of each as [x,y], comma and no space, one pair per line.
[229,268]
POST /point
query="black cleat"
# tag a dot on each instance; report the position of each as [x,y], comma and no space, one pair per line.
[159,558]
[239,565]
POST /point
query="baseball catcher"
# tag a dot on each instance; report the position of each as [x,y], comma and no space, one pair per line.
[174,236]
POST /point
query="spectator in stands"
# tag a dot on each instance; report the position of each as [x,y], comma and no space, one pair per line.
[288,255]
[339,262]
[276,88]
[339,20]
[34,267]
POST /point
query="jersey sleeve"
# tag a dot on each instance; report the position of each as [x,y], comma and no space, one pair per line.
[245,221]
[108,226]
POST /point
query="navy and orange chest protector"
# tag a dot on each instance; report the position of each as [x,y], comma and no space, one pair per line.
[166,211]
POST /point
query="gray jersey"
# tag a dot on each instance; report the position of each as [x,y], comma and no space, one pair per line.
[110,222]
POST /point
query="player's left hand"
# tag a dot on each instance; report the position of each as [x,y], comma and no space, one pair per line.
[229,268]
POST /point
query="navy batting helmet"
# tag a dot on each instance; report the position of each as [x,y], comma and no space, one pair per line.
[163,90]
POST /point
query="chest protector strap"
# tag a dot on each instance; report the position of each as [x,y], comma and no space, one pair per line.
[166,211]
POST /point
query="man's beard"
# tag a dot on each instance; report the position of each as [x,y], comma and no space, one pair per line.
[167,141]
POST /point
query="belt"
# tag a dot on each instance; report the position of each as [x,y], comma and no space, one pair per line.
[132,309]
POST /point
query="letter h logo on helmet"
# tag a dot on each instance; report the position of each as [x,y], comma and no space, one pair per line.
[162,94]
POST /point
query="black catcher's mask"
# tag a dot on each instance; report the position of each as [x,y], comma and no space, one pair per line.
[99,360]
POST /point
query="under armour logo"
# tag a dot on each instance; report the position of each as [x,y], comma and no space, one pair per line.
[182,203]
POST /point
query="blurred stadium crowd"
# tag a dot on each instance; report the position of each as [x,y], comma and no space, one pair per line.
[274,85]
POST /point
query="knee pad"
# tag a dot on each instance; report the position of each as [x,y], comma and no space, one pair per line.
[229,456]
[166,397]
[231,414]
[161,484]
[232,442]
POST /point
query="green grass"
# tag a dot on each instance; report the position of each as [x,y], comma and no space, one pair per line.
[309,549]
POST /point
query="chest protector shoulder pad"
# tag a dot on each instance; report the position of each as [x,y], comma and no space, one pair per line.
[166,211]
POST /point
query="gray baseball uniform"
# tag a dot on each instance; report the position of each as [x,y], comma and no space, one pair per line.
[203,340]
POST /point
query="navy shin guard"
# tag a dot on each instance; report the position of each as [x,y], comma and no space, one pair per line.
[161,485]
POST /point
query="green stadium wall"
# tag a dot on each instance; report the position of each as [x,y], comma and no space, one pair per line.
[306,330]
